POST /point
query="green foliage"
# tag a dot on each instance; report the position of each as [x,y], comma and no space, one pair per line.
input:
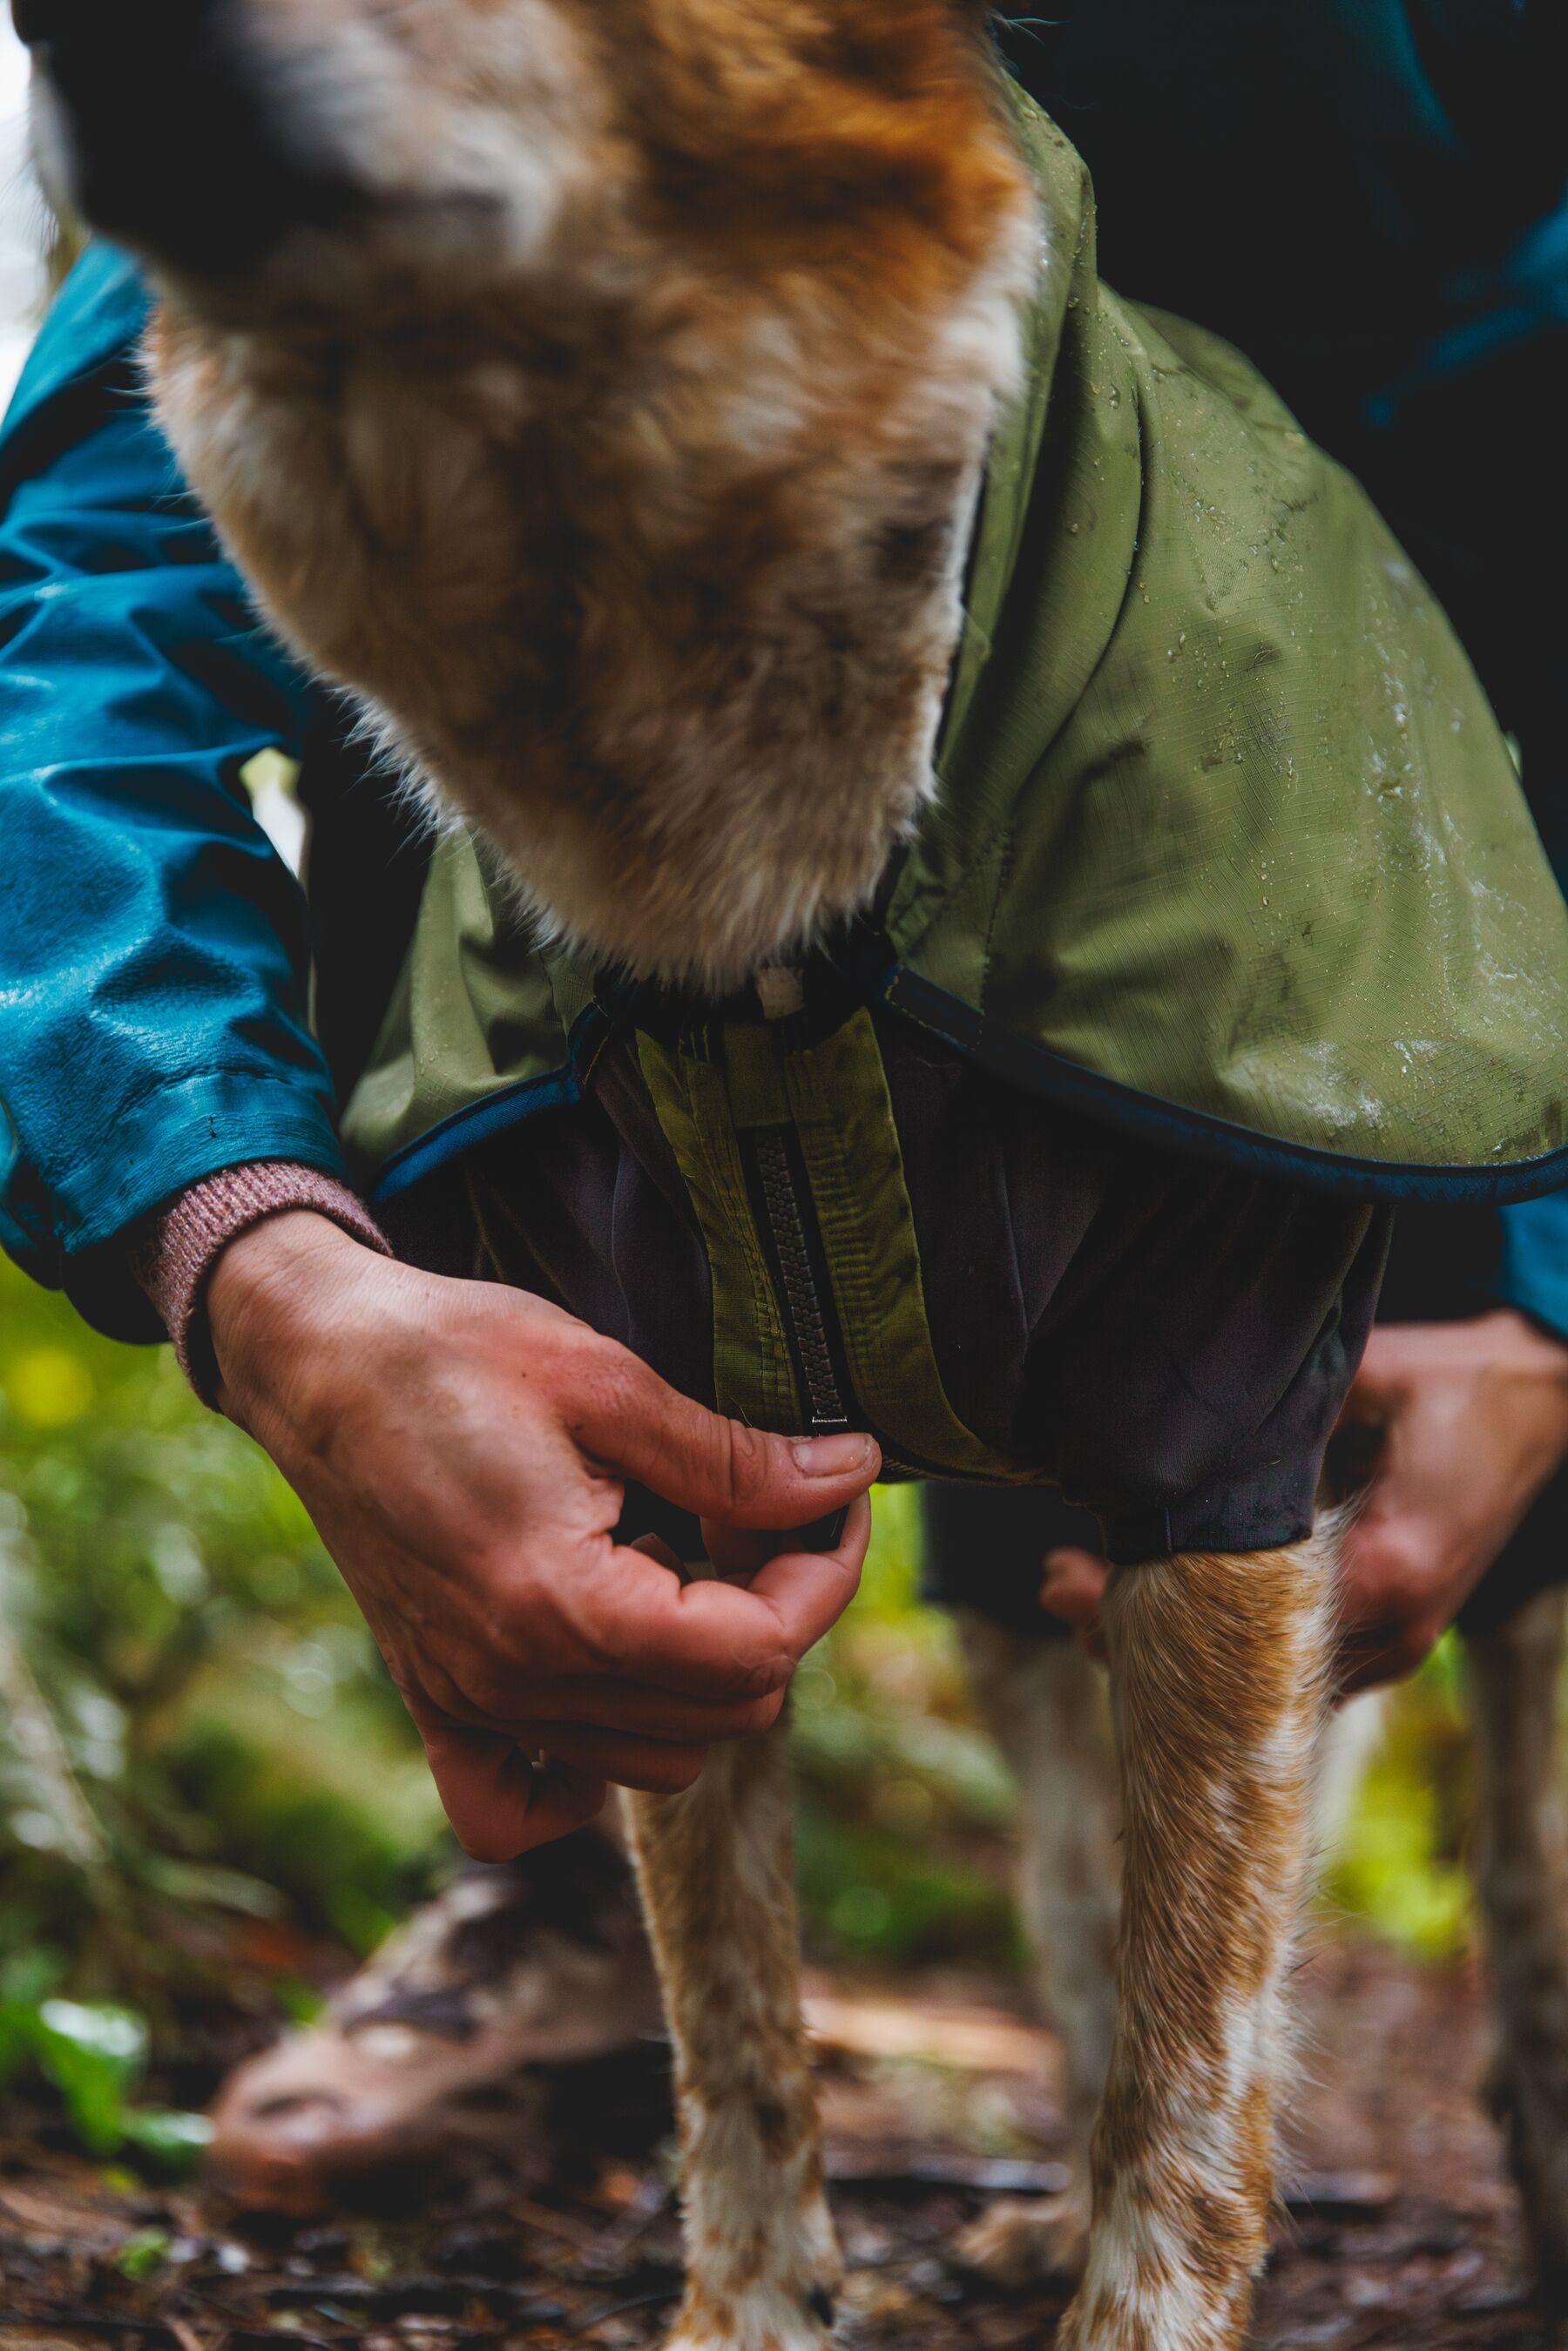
[201,1764]
[143,2254]
[1399,1864]
[905,1804]
[94,2053]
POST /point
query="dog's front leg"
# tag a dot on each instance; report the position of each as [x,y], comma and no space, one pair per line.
[1043,1701]
[716,1868]
[1521,1873]
[1217,1669]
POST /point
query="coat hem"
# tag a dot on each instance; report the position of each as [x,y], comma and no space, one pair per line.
[1201,1135]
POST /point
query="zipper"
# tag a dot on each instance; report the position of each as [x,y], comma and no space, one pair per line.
[786,1220]
[788,1225]
[785,1217]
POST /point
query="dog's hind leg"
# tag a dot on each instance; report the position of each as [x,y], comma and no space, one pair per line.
[1218,1672]
[1044,1702]
[1521,1873]
[717,1870]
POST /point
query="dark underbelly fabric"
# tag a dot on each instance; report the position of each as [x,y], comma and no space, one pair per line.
[1167,1342]
[984,1550]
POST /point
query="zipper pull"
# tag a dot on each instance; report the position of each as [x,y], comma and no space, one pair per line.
[780,991]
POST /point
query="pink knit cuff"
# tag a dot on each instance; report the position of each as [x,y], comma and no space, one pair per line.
[173,1263]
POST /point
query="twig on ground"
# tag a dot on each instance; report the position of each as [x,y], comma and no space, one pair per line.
[557,2224]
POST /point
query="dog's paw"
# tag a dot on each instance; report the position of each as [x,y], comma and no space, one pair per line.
[1019,2241]
[764,2319]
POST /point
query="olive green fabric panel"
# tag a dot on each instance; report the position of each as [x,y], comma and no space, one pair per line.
[759,1090]
[1226,818]
[834,1095]
[1010,690]
[754,1377]
[1281,852]
[1064,308]
[843,1117]
[474,1012]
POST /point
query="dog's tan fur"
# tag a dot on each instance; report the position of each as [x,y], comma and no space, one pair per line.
[641,536]
[620,457]
[715,1867]
[1218,1672]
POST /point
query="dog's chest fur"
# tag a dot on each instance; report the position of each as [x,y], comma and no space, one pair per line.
[651,567]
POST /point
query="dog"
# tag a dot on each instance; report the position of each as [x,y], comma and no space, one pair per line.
[608,400]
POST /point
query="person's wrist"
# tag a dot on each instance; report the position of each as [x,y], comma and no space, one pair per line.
[273,1298]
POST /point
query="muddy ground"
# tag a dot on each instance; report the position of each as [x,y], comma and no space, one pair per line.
[1401,2231]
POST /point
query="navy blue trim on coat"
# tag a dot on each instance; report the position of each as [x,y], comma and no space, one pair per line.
[493,1114]
[1037,1069]
[1023,1063]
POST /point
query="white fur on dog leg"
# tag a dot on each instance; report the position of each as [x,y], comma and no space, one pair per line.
[763,2265]
[762,2320]
[764,2260]
[1218,1666]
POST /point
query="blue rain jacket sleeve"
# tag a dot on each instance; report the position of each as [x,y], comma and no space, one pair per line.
[1533,1267]
[153,950]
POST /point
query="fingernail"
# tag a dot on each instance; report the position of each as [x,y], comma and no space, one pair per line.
[831,1457]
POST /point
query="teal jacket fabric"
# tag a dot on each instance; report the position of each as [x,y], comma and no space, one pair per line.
[153,950]
[153,963]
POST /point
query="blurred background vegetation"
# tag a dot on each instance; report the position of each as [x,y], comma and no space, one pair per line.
[210,1801]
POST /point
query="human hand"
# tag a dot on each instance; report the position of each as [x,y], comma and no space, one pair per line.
[1073,1587]
[462,1448]
[1473,1420]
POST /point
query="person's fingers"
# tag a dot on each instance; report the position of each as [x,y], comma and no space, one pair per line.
[658,1767]
[1406,1549]
[1399,1586]
[1388,1630]
[622,1413]
[1382,1381]
[1405,1564]
[742,1550]
[1074,1586]
[500,1802]
[655,1547]
[714,1639]
[739,1550]
[1379,1654]
[1391,1562]
[636,1708]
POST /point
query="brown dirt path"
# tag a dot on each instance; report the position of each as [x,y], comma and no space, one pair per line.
[1411,2240]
